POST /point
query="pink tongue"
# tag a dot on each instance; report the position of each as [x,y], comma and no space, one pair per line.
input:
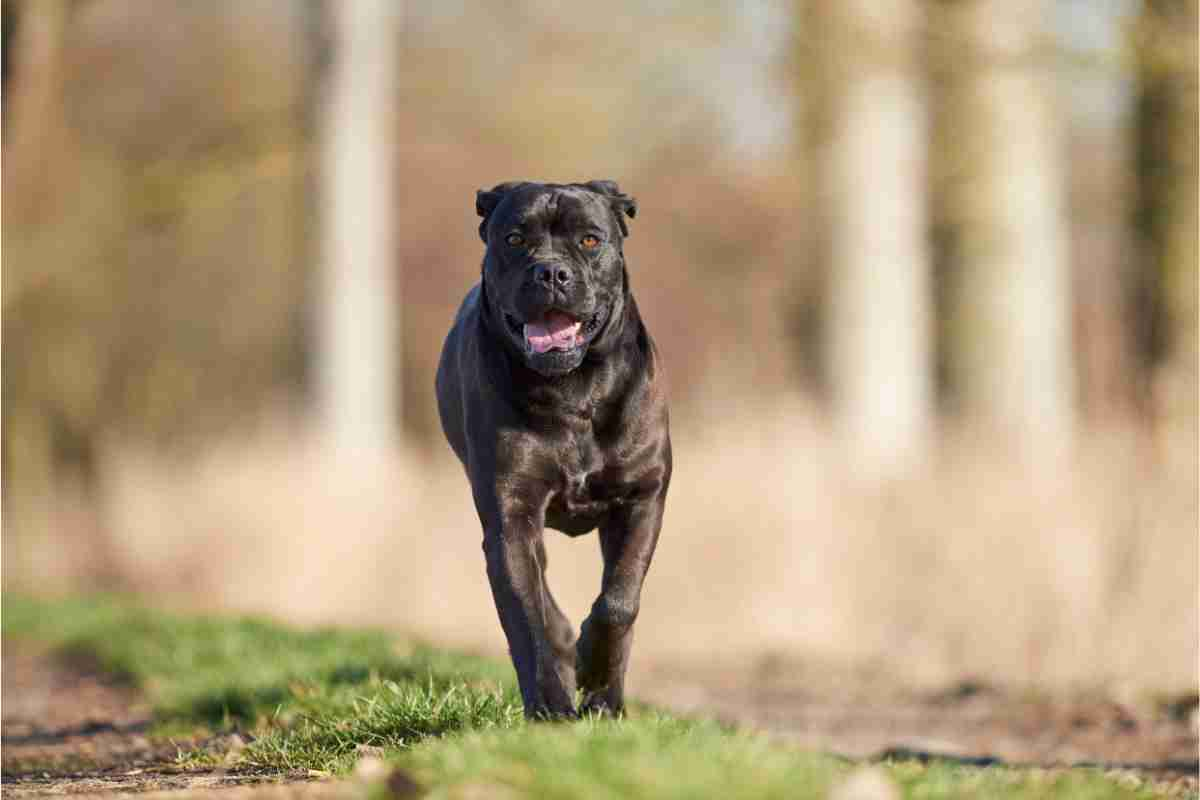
[556,329]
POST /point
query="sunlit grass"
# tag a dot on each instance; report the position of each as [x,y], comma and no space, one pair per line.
[316,699]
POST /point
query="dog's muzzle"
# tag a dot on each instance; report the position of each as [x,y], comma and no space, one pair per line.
[556,330]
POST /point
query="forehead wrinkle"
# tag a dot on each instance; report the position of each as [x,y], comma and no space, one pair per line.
[562,207]
[541,209]
[576,211]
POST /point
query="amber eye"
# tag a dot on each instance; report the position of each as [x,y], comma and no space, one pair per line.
[590,242]
[515,239]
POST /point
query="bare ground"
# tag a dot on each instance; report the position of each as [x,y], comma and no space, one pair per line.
[69,729]
[864,716]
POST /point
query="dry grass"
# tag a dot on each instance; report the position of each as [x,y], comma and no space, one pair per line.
[1077,578]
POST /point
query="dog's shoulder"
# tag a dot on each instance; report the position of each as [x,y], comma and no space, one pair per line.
[470,304]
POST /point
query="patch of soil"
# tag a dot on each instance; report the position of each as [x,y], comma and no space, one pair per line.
[863,716]
[68,728]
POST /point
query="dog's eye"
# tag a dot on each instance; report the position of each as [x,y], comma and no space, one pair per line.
[515,239]
[590,242]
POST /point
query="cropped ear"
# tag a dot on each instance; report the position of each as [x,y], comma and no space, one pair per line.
[622,204]
[486,201]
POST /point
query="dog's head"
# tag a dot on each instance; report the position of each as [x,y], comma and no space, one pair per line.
[554,272]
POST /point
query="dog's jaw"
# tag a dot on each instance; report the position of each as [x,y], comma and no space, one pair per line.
[557,342]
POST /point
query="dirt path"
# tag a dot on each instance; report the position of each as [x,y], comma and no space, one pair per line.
[68,729]
[861,716]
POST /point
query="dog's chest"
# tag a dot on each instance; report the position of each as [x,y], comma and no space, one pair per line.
[585,492]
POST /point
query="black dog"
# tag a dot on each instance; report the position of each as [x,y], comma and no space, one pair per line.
[553,396]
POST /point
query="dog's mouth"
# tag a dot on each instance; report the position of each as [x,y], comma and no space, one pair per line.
[555,330]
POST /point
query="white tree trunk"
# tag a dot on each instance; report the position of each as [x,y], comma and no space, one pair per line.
[359,337]
[880,326]
[1016,357]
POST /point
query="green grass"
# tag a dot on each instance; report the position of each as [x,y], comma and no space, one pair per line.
[309,696]
[664,758]
[453,722]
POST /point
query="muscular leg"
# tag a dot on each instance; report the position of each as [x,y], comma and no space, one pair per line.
[558,631]
[627,543]
[512,544]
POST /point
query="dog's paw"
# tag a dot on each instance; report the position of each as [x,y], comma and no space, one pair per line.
[599,704]
[544,713]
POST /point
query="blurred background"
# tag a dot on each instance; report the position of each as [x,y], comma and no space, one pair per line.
[923,273]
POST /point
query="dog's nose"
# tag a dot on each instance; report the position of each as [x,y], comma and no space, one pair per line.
[552,274]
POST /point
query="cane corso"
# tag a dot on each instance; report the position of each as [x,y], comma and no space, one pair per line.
[553,396]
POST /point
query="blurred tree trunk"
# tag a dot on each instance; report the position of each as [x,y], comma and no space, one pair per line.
[34,123]
[34,40]
[358,336]
[1099,199]
[1165,215]
[1102,256]
[50,442]
[9,20]
[1010,333]
[873,168]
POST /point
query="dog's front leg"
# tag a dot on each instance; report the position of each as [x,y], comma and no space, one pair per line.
[511,545]
[627,543]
